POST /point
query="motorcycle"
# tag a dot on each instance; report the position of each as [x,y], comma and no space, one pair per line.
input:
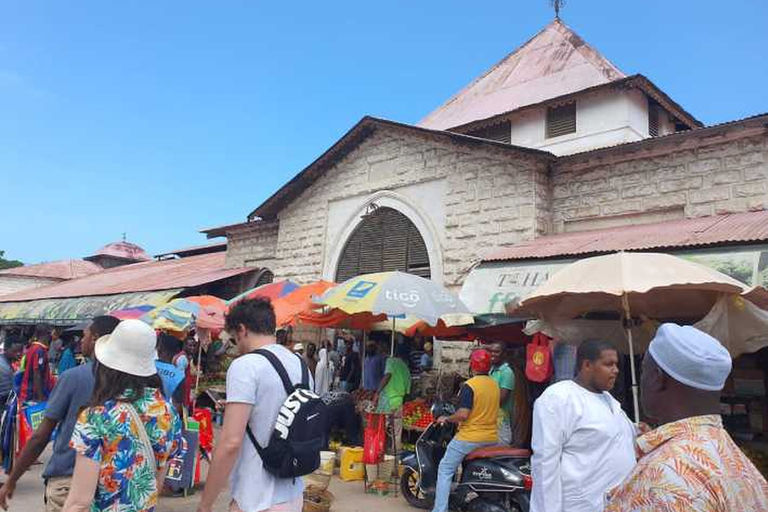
[492,479]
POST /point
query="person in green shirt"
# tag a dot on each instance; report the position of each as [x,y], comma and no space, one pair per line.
[393,388]
[502,373]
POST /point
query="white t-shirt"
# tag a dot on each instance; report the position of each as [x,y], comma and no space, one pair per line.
[251,379]
[583,446]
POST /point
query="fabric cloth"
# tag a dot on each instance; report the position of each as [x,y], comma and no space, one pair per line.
[70,394]
[564,358]
[505,378]
[323,373]
[67,361]
[252,380]
[35,361]
[294,505]
[399,385]
[56,492]
[172,378]
[373,371]
[6,376]
[351,371]
[691,465]
[107,435]
[454,455]
[481,425]
[55,351]
[691,356]
[583,445]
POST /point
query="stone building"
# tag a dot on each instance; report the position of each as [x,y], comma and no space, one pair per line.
[554,142]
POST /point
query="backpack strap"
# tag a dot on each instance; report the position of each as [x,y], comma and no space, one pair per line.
[279,368]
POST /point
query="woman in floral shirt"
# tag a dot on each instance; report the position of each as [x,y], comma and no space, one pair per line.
[128,434]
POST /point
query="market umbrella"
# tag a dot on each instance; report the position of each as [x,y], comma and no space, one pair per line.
[212,311]
[398,295]
[132,312]
[657,286]
[176,315]
[300,300]
[270,291]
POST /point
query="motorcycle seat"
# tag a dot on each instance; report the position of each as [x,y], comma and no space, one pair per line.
[488,452]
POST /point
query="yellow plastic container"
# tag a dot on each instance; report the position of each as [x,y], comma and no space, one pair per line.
[352,468]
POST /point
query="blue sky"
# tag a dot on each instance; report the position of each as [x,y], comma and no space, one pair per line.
[161,118]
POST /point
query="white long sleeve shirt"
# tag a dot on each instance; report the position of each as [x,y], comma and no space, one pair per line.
[583,446]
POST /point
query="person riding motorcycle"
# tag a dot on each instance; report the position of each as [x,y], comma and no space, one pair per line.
[476,417]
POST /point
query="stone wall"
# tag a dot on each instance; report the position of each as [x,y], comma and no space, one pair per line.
[673,177]
[252,245]
[494,196]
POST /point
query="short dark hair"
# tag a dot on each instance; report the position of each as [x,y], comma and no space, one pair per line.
[103,325]
[591,351]
[169,344]
[257,315]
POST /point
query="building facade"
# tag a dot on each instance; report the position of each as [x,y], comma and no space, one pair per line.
[554,139]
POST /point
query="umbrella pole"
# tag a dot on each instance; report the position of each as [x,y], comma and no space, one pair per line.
[392,344]
[633,370]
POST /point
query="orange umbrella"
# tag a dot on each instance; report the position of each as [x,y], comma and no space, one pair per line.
[336,318]
[288,307]
[212,311]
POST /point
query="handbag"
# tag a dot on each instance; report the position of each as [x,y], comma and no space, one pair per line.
[374,438]
[538,364]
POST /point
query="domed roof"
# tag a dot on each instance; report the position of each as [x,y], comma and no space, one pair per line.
[124,250]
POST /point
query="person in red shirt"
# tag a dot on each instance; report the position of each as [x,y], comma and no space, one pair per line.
[36,381]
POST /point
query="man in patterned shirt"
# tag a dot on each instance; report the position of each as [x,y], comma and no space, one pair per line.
[689,463]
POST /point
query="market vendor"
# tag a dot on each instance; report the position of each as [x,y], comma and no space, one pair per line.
[476,416]
[373,366]
[393,388]
[502,373]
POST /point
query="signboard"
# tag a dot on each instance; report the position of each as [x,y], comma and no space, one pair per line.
[491,285]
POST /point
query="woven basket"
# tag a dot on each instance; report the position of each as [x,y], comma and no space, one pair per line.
[317,500]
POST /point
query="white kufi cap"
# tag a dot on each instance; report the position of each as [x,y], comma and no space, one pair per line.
[691,357]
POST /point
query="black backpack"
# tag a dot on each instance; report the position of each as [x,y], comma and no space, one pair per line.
[297,438]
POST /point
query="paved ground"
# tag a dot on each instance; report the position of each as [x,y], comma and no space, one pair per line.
[350,497]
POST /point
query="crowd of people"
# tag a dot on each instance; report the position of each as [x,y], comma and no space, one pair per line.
[118,418]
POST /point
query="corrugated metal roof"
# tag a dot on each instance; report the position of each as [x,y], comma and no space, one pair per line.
[62,269]
[719,229]
[556,61]
[138,277]
[195,249]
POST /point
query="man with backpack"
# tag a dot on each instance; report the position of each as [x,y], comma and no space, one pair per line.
[273,423]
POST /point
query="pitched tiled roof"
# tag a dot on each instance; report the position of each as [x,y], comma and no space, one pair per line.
[138,277]
[719,229]
[63,269]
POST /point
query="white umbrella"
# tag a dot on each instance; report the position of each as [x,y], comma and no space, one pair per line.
[658,286]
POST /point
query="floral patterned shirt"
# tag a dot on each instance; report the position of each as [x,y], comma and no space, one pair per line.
[106,434]
[691,465]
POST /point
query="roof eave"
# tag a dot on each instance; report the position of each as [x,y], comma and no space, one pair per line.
[366,126]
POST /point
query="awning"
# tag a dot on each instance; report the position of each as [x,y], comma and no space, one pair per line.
[492,284]
[72,310]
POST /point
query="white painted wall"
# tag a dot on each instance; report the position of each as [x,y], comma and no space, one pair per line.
[602,119]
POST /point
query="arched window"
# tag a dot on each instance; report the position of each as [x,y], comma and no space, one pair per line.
[385,240]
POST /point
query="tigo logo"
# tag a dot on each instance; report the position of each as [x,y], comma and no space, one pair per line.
[361,289]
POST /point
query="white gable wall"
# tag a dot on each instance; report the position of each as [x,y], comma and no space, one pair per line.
[602,119]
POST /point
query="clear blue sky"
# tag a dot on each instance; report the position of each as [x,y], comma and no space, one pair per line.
[162,118]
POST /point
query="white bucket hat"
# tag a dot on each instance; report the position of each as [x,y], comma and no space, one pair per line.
[131,348]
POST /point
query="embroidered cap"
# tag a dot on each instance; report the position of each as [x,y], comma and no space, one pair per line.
[691,357]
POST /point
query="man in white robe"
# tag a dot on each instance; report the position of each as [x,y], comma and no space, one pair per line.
[583,443]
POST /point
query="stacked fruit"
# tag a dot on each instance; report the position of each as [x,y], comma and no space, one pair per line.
[416,414]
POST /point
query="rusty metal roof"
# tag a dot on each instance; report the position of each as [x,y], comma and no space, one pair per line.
[138,277]
[195,250]
[555,62]
[63,269]
[719,229]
